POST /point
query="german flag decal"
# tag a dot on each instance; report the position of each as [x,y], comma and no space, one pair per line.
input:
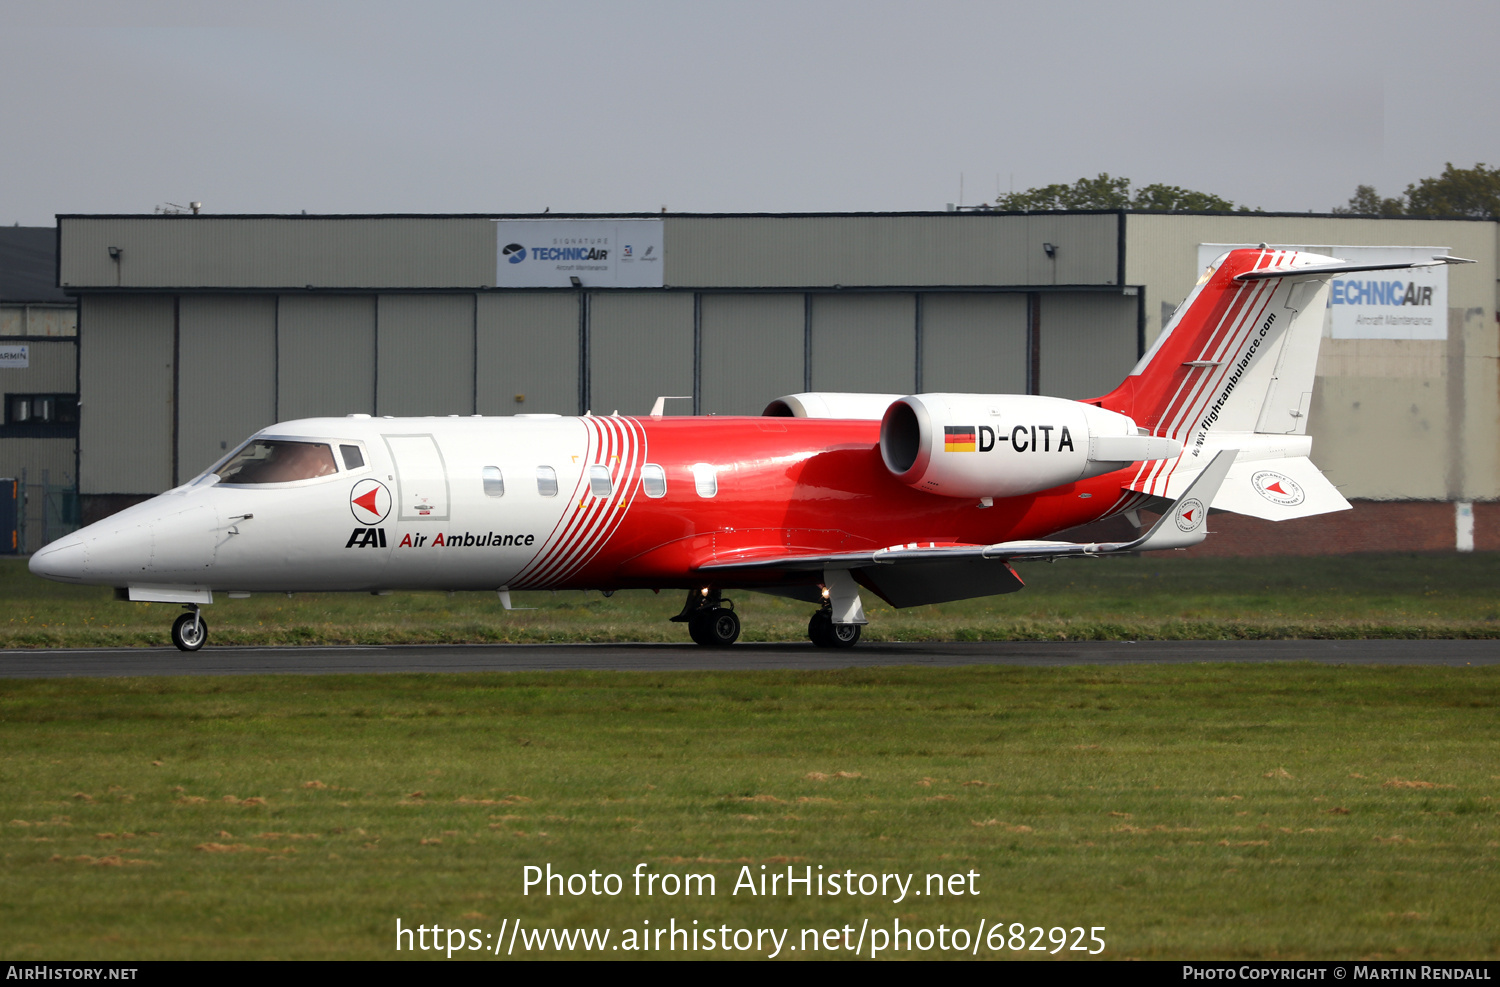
[958,438]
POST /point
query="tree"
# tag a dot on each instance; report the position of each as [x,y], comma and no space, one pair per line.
[1108,192]
[1471,192]
[1457,192]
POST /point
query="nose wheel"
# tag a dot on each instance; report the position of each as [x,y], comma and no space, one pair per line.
[190,631]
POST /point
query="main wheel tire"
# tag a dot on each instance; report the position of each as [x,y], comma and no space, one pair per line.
[715,627]
[189,632]
[822,631]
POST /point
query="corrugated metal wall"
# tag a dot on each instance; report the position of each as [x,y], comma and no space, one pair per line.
[125,422]
[425,363]
[528,347]
[53,369]
[226,380]
[34,455]
[752,351]
[864,342]
[640,347]
[1088,343]
[945,249]
[325,355]
[974,343]
[277,252]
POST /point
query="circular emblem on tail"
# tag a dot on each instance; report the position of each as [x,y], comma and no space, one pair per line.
[1190,514]
[370,501]
[1278,488]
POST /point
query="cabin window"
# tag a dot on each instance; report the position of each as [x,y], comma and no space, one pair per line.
[654,480]
[353,458]
[705,479]
[494,482]
[546,481]
[600,484]
[278,461]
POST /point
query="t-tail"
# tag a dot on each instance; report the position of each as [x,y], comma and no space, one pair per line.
[1234,369]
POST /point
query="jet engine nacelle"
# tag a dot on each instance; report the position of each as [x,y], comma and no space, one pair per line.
[1001,445]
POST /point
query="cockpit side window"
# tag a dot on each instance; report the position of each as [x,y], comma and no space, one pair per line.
[353,458]
[278,461]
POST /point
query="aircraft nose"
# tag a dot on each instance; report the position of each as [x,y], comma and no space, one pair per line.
[64,560]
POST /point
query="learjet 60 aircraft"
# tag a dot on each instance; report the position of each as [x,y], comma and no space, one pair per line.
[920,499]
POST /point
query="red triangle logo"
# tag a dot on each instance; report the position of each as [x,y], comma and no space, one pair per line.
[1187,516]
[367,501]
[1276,488]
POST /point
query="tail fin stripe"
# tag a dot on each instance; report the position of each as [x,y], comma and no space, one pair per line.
[1226,317]
[1228,337]
[1230,347]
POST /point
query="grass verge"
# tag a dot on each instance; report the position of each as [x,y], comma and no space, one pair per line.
[1147,598]
[1203,811]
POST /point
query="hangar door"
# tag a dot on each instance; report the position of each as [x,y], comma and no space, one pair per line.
[640,347]
[974,343]
[1088,343]
[752,350]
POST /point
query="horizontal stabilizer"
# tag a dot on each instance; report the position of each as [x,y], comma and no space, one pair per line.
[1324,270]
[1279,490]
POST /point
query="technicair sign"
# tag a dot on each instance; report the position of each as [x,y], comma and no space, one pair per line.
[600,253]
[1411,304]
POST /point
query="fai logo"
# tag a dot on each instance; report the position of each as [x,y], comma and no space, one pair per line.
[1190,514]
[1278,489]
[370,501]
[514,252]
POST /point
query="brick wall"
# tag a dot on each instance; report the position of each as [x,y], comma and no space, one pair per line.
[1372,526]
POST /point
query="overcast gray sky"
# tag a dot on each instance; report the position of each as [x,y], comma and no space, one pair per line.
[716,106]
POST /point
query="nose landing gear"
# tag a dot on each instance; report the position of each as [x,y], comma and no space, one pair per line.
[190,631]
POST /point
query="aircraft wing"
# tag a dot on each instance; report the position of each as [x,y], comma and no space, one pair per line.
[909,575]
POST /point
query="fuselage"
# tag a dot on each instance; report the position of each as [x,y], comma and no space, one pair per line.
[544,503]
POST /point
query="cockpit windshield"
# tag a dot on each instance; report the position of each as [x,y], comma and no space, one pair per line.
[278,461]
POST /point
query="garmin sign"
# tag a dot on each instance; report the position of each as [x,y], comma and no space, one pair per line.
[600,253]
[1405,304]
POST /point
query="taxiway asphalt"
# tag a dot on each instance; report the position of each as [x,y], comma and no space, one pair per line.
[66,663]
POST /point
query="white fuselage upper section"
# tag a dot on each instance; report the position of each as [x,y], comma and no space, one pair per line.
[455,503]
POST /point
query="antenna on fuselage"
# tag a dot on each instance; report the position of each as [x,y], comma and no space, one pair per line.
[660,407]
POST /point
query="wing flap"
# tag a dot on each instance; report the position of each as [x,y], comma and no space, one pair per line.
[911,576]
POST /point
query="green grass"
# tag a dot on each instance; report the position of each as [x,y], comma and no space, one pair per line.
[1165,596]
[1286,811]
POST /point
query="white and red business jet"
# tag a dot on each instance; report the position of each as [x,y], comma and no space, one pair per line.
[920,499]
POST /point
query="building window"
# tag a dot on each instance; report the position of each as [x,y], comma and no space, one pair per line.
[546,481]
[41,409]
[40,416]
[654,480]
[494,482]
[706,479]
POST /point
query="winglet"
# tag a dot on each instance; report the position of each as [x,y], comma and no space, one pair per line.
[1186,522]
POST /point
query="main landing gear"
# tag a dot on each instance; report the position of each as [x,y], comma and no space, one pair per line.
[711,619]
[713,623]
[822,631]
[191,630]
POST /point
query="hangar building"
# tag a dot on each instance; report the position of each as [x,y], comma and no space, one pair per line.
[196,330]
[39,387]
